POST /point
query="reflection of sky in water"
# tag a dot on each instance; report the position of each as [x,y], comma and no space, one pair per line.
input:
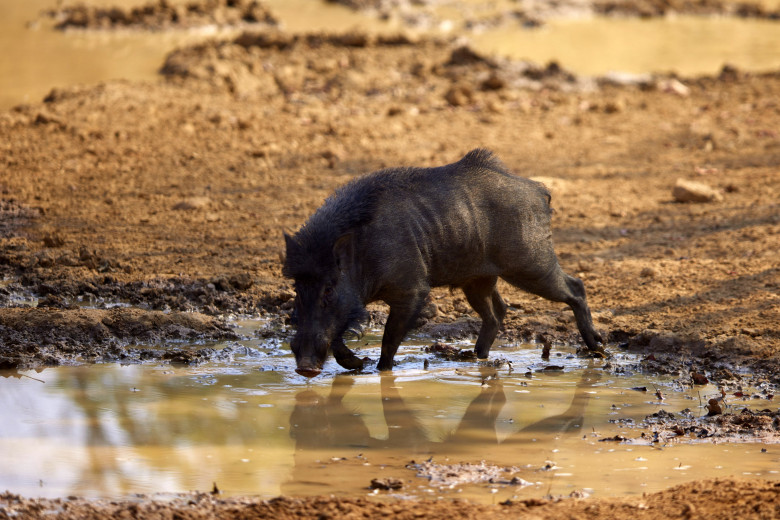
[255,427]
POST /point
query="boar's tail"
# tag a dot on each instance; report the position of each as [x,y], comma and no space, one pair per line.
[484,159]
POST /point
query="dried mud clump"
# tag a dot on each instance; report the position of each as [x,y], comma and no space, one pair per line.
[164,15]
[360,68]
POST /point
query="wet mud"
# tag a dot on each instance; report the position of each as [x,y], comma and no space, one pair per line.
[744,426]
[721,499]
[44,336]
[171,198]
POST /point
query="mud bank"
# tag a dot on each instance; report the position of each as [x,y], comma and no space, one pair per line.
[718,499]
[38,337]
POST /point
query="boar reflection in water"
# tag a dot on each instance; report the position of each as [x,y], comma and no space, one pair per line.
[396,233]
[326,427]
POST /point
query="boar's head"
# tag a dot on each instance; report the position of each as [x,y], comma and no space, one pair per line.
[327,300]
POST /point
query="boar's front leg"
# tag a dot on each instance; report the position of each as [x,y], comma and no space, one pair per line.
[401,318]
[345,357]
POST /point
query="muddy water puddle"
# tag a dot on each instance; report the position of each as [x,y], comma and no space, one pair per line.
[253,426]
[37,58]
[687,45]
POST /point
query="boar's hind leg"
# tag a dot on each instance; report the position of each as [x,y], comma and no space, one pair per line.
[485,300]
[399,321]
[560,287]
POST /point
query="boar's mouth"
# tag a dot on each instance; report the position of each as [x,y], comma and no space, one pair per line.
[308,371]
[308,367]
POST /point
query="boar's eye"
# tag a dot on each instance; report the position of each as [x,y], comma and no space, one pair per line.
[328,295]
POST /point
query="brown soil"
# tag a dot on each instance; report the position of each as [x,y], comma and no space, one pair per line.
[712,499]
[173,197]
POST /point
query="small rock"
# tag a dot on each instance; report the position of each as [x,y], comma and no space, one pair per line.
[691,191]
[674,86]
[648,272]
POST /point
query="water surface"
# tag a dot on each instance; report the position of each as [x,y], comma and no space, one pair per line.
[36,58]
[253,426]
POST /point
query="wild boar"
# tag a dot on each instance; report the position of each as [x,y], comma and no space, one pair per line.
[394,234]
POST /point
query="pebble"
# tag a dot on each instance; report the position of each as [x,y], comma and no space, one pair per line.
[674,86]
[692,191]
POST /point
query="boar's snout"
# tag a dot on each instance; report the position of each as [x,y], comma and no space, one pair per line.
[308,372]
[307,368]
[310,353]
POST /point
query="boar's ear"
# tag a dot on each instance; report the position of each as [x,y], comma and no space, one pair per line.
[288,240]
[342,251]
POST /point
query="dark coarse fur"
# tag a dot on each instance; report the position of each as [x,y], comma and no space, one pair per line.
[394,234]
[354,205]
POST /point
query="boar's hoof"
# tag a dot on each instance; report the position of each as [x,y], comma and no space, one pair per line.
[350,361]
[308,371]
[345,357]
[598,352]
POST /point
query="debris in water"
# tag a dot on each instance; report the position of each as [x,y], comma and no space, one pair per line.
[616,438]
[386,484]
[713,408]
[451,475]
[450,353]
[546,349]
[699,379]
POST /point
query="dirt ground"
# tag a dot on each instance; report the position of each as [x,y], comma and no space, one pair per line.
[172,197]
[715,499]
